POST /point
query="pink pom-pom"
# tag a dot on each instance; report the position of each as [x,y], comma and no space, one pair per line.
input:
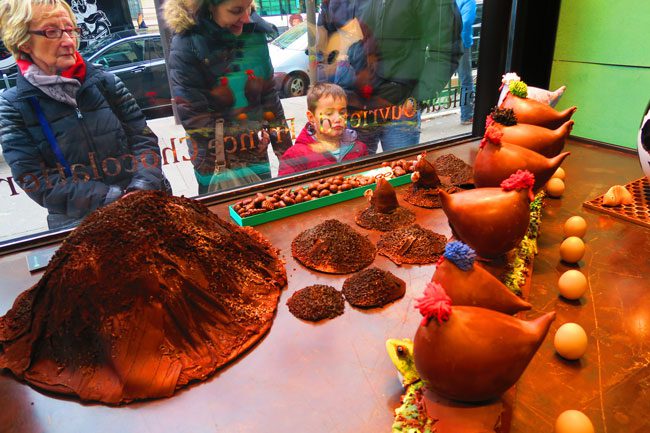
[488,121]
[492,134]
[522,179]
[224,81]
[250,73]
[434,304]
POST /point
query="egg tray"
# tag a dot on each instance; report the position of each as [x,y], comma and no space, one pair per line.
[638,212]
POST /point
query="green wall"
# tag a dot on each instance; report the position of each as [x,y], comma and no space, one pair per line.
[602,55]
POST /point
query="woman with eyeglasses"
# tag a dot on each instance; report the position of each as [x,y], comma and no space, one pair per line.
[72,134]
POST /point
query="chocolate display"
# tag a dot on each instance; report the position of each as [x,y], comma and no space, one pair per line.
[534,112]
[333,247]
[317,302]
[491,220]
[426,184]
[384,212]
[372,288]
[472,354]
[497,160]
[412,244]
[542,140]
[467,283]
[147,295]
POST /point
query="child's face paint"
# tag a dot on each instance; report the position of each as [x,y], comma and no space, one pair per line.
[330,117]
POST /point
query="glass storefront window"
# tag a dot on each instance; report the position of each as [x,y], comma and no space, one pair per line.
[398,74]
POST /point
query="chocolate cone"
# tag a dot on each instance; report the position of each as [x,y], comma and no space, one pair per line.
[476,287]
[428,177]
[477,354]
[494,163]
[384,198]
[536,113]
[542,140]
[489,220]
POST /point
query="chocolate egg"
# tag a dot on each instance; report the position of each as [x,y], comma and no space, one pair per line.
[575,226]
[570,341]
[555,187]
[559,173]
[572,249]
[572,284]
[573,421]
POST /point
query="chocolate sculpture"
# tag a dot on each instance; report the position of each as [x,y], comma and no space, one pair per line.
[536,113]
[497,160]
[426,183]
[147,295]
[491,220]
[469,284]
[384,212]
[472,354]
[542,140]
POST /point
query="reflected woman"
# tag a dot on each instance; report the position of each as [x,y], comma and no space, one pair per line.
[72,134]
[222,81]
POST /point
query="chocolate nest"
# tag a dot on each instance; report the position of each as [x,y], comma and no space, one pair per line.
[427,197]
[371,219]
[373,288]
[412,245]
[147,295]
[334,248]
[457,170]
[317,302]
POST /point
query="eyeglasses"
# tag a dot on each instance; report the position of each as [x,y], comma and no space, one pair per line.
[57,33]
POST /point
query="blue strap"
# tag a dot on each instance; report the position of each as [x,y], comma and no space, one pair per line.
[49,135]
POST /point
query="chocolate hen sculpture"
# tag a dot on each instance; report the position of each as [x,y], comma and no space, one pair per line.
[469,284]
[497,160]
[547,142]
[534,112]
[491,220]
[472,354]
[147,295]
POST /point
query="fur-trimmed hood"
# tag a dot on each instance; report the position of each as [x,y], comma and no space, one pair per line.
[184,15]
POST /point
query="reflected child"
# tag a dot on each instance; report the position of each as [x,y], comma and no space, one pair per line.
[325,139]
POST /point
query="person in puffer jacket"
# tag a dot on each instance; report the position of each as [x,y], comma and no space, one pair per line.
[220,69]
[73,135]
[325,139]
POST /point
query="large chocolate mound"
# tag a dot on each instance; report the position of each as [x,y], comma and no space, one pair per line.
[145,296]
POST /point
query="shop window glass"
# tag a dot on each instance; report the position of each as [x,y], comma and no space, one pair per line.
[398,69]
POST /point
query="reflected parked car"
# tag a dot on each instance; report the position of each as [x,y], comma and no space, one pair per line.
[290,61]
[139,61]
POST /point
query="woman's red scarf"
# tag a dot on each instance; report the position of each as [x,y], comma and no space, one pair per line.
[76,71]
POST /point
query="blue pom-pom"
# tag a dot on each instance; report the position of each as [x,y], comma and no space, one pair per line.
[460,254]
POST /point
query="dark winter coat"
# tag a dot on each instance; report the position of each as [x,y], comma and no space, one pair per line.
[107,145]
[216,74]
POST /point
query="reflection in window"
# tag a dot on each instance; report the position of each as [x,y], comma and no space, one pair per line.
[123,54]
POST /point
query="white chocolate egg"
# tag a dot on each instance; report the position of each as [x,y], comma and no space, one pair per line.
[555,187]
[572,284]
[572,249]
[575,226]
[573,421]
[570,341]
[559,173]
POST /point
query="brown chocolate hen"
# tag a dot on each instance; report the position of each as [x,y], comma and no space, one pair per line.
[147,295]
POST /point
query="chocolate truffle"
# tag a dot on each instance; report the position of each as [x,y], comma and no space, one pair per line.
[373,288]
[147,295]
[334,248]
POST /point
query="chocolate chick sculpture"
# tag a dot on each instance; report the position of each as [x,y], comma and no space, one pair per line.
[496,160]
[491,220]
[469,284]
[411,416]
[384,212]
[472,354]
[547,142]
[534,112]
[426,183]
